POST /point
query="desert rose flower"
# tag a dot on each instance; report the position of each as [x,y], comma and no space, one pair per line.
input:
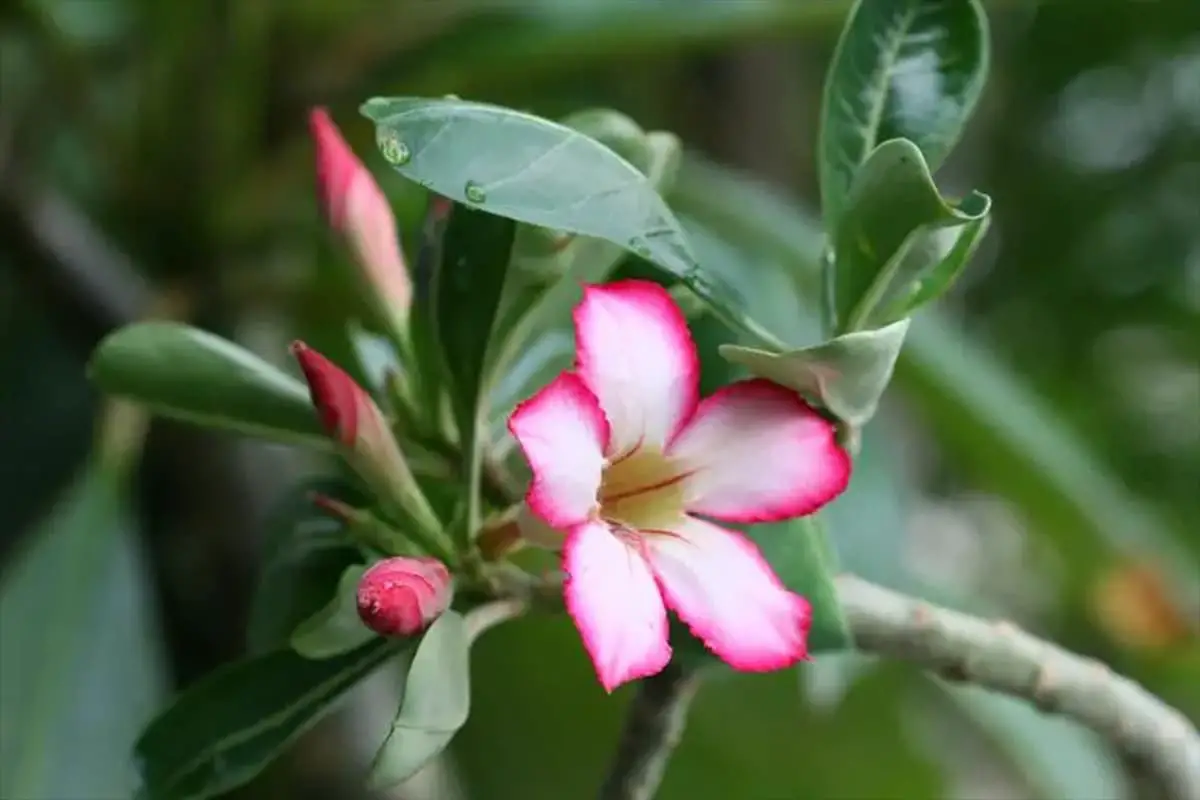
[357,426]
[627,461]
[356,208]
[403,596]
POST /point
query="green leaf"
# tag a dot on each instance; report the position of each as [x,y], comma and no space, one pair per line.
[910,69]
[847,375]
[226,728]
[336,628]
[304,555]
[437,702]
[800,553]
[466,299]
[892,207]
[542,173]
[78,649]
[938,280]
[189,374]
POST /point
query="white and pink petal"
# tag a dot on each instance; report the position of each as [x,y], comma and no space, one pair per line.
[564,435]
[637,356]
[612,597]
[756,452]
[720,585]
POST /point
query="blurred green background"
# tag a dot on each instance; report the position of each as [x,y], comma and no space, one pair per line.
[1037,458]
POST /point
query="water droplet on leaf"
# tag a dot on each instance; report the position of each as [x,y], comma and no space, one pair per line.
[395,151]
[475,192]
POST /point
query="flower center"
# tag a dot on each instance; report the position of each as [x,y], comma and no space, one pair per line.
[642,490]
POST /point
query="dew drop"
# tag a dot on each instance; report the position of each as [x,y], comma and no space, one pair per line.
[395,151]
[475,192]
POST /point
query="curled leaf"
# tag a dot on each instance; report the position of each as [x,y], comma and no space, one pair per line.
[846,375]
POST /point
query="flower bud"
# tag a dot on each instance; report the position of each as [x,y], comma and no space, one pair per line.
[357,209]
[402,596]
[356,424]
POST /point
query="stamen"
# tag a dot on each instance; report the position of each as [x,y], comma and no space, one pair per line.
[625,495]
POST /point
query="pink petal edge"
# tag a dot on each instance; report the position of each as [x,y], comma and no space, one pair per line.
[635,352]
[564,435]
[723,589]
[759,453]
[613,598]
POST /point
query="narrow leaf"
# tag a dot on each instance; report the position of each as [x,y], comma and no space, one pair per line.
[847,375]
[892,205]
[437,702]
[543,173]
[467,291]
[189,374]
[336,628]
[910,69]
[225,729]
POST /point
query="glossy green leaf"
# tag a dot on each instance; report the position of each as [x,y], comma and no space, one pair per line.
[437,702]
[893,205]
[466,300]
[542,173]
[336,628]
[189,374]
[226,728]
[78,646]
[847,375]
[304,555]
[910,69]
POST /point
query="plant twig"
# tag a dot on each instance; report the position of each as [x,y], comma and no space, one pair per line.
[655,724]
[1000,657]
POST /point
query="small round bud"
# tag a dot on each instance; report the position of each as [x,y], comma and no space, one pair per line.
[402,596]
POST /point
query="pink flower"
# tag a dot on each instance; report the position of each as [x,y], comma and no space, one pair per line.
[356,208]
[402,596]
[626,460]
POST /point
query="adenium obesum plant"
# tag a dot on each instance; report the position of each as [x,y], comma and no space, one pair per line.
[628,461]
[403,596]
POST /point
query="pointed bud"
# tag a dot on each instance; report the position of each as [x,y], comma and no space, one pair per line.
[402,596]
[353,420]
[357,209]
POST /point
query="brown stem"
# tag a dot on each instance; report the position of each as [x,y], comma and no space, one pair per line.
[657,717]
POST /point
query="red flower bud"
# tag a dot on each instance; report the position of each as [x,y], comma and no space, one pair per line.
[339,401]
[402,596]
[353,420]
[356,208]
